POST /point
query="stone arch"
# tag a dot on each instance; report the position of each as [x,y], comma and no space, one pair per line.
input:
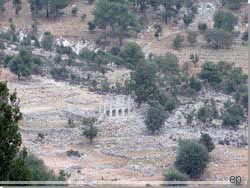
[113,112]
[120,112]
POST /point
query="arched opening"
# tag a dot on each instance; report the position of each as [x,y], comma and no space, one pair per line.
[108,113]
[126,112]
[113,112]
[120,112]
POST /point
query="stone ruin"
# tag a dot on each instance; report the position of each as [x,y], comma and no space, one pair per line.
[116,106]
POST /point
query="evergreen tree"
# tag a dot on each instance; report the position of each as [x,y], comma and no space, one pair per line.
[10,138]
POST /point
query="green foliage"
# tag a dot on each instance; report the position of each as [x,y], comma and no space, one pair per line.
[87,55]
[155,117]
[60,73]
[115,15]
[131,54]
[47,41]
[207,141]
[143,81]
[232,4]
[2,7]
[18,5]
[53,6]
[233,115]
[244,37]
[179,39]
[195,84]
[202,27]
[175,175]
[204,114]
[226,20]
[192,158]
[91,131]
[187,19]
[64,50]
[19,171]
[91,25]
[24,64]
[218,39]
[104,85]
[74,10]
[39,171]
[191,38]
[9,133]
[211,73]
[224,76]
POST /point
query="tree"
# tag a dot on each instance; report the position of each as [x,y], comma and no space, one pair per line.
[195,84]
[244,37]
[115,15]
[187,19]
[168,66]
[155,117]
[18,5]
[10,138]
[171,8]
[191,38]
[218,39]
[233,115]
[24,64]
[74,10]
[91,25]
[232,4]
[2,8]
[35,7]
[179,39]
[207,141]
[226,20]
[47,40]
[53,6]
[202,27]
[131,54]
[204,113]
[90,132]
[143,81]
[19,170]
[192,158]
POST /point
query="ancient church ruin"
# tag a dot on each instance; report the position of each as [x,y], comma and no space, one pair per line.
[116,106]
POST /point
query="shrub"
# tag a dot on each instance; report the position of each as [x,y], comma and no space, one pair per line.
[155,117]
[202,27]
[74,10]
[91,25]
[104,85]
[191,38]
[64,50]
[60,73]
[175,175]
[131,54]
[192,158]
[207,141]
[47,41]
[203,114]
[87,55]
[83,16]
[233,115]
[226,20]
[218,39]
[195,84]
[179,39]
[187,19]
[211,73]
